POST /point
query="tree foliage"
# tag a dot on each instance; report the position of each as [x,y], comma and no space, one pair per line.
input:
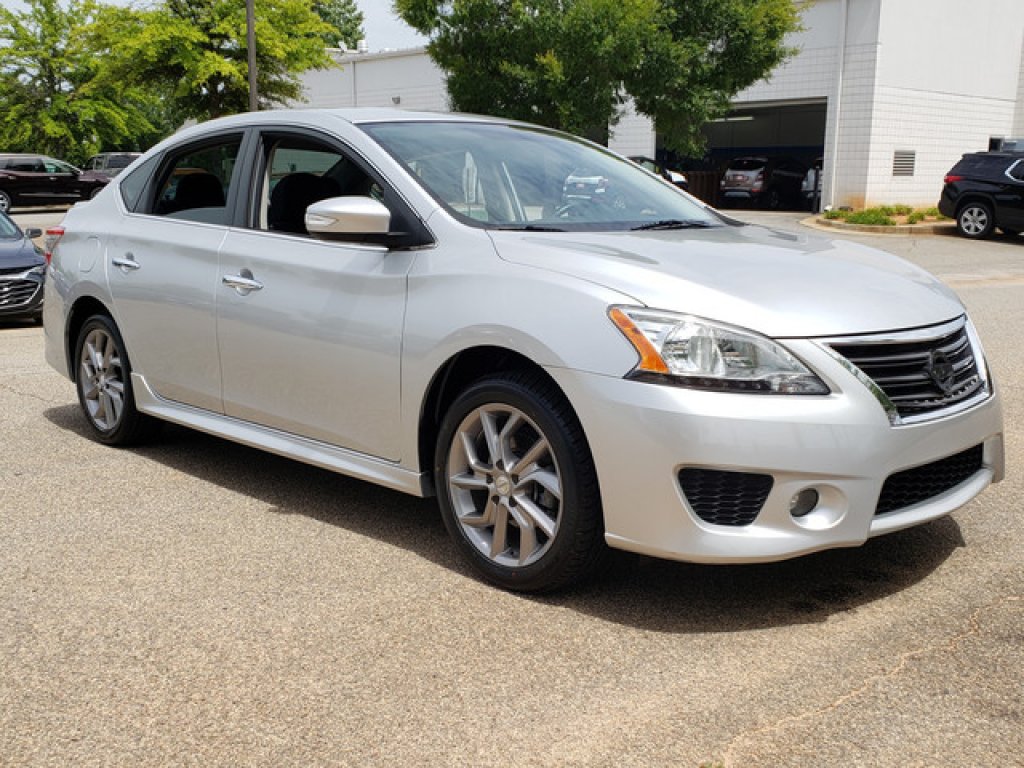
[194,52]
[56,94]
[345,19]
[572,64]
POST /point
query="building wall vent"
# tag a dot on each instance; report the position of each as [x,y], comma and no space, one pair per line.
[903,162]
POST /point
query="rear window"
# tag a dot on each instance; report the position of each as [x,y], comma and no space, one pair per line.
[980,165]
[748,164]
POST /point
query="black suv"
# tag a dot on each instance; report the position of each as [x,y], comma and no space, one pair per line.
[985,190]
[27,180]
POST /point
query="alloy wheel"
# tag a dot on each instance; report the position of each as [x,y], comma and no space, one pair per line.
[505,485]
[974,220]
[103,384]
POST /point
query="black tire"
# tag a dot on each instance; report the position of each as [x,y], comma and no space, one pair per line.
[535,412]
[772,199]
[5,202]
[95,192]
[103,380]
[974,220]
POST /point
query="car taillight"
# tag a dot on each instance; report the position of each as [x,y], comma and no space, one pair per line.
[950,178]
[53,236]
[759,181]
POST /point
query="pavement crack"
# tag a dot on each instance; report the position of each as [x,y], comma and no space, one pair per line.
[949,646]
[33,395]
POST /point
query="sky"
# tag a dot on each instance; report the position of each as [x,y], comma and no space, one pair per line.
[385,30]
[382,27]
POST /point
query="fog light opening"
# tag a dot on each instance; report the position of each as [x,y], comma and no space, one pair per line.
[803,503]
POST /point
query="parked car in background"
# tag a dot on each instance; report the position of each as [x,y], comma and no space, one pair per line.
[416,300]
[985,190]
[27,180]
[677,178]
[22,269]
[110,164]
[768,182]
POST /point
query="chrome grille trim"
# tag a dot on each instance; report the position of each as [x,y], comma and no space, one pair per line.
[902,369]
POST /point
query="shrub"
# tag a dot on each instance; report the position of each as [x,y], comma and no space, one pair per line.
[916,217]
[835,214]
[871,216]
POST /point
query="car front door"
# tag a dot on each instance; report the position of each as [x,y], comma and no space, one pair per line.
[61,182]
[310,331]
[163,272]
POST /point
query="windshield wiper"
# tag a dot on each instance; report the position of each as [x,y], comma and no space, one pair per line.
[528,228]
[674,224]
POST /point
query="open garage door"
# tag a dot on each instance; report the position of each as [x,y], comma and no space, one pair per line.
[778,141]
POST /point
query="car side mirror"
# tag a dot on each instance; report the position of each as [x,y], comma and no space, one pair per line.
[348,218]
[33,232]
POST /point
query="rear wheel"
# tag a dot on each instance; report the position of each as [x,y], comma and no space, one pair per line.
[103,380]
[516,484]
[974,220]
[5,202]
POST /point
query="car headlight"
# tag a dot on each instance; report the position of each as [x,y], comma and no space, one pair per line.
[40,270]
[693,352]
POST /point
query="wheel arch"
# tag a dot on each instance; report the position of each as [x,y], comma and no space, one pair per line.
[452,377]
[83,308]
[974,197]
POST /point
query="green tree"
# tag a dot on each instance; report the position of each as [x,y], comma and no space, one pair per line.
[193,53]
[56,95]
[346,22]
[572,64]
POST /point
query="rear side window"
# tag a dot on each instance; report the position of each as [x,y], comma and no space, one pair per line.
[1017,170]
[194,182]
[134,184]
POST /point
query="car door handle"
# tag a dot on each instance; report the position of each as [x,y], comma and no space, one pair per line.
[126,264]
[243,282]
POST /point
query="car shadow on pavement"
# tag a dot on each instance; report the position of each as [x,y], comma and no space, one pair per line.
[641,592]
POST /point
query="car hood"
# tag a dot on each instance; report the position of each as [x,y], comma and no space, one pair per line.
[19,252]
[777,283]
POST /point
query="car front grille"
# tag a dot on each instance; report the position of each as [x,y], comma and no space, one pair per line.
[912,486]
[17,293]
[725,498]
[918,375]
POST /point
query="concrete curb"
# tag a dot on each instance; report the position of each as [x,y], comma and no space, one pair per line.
[944,228]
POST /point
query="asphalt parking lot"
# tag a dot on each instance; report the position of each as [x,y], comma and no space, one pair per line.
[196,602]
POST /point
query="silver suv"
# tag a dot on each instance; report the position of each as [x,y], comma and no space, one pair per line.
[412,299]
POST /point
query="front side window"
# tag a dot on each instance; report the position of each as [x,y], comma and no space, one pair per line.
[194,183]
[300,171]
[520,177]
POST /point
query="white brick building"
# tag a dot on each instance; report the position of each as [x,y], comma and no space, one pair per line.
[911,85]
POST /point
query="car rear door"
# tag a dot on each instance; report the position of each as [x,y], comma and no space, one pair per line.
[310,332]
[163,272]
[1010,199]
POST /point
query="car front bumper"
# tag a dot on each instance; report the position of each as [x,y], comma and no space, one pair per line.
[841,445]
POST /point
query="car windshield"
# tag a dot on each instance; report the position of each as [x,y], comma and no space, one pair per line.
[520,177]
[8,228]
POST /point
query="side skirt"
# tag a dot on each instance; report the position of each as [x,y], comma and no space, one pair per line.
[323,455]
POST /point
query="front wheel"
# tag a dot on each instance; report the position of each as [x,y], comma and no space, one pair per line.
[517,486]
[104,384]
[5,202]
[974,220]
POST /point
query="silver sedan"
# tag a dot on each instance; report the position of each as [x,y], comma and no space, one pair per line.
[565,349]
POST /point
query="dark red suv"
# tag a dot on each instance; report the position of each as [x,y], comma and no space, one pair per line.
[27,180]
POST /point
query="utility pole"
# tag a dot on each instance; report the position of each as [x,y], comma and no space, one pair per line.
[250,34]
